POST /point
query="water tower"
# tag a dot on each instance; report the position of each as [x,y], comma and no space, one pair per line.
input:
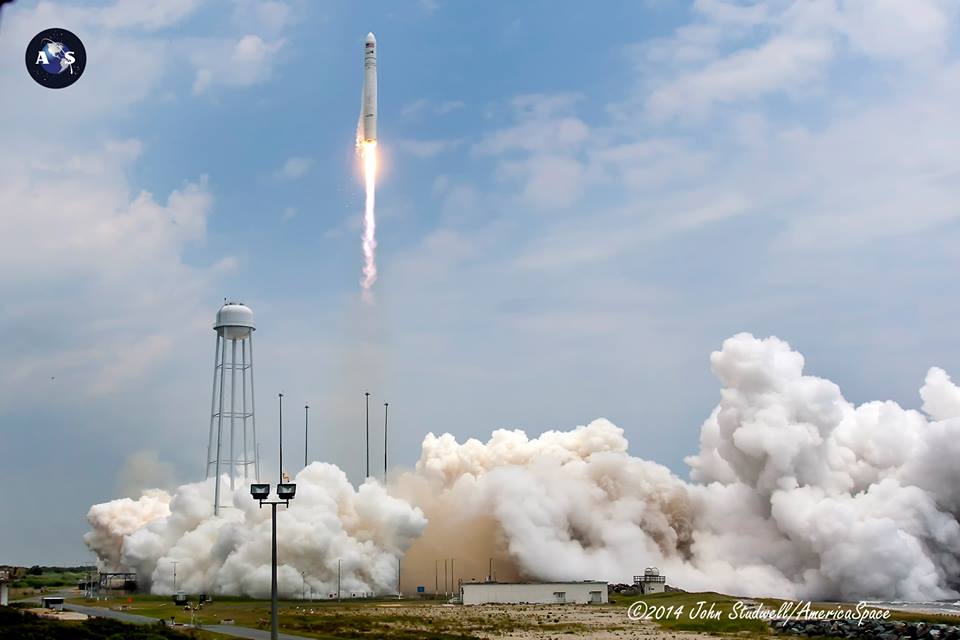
[231,407]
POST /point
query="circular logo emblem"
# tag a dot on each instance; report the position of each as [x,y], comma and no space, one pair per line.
[56,58]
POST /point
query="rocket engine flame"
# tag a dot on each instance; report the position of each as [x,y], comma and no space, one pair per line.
[368,151]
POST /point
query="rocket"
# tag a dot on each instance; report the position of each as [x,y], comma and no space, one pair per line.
[368,109]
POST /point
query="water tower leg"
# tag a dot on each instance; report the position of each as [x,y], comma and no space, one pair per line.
[243,394]
[233,412]
[213,408]
[216,484]
[253,412]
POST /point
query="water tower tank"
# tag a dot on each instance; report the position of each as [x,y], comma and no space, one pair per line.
[234,321]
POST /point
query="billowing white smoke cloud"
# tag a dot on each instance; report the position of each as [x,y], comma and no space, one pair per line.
[365,529]
[795,492]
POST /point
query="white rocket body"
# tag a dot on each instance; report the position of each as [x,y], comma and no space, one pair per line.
[368,110]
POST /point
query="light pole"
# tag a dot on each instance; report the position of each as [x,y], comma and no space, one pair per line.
[285,493]
[174,563]
[338,579]
[306,427]
[386,408]
[281,437]
[367,394]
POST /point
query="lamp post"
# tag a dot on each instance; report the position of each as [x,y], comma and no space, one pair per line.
[306,427]
[174,563]
[281,437]
[386,408]
[367,394]
[285,493]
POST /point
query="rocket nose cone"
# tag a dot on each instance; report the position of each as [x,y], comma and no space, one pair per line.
[371,38]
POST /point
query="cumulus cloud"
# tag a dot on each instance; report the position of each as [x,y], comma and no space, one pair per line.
[249,60]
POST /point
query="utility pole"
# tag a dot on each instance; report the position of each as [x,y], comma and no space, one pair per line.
[436,577]
[398,578]
[386,408]
[367,394]
[338,579]
[281,441]
[490,572]
[174,563]
[306,427]
[445,578]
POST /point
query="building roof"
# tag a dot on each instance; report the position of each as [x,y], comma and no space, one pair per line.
[464,584]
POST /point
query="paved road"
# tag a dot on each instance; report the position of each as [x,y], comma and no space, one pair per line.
[225,629]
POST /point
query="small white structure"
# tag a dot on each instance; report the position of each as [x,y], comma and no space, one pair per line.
[52,602]
[591,592]
[651,581]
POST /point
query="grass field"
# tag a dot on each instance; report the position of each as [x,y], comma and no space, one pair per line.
[388,618]
[699,613]
[49,580]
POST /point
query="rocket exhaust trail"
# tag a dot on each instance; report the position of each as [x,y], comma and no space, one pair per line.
[368,151]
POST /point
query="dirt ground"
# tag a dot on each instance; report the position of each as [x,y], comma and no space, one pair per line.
[65,616]
[534,622]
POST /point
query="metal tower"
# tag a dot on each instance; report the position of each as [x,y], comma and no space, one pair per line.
[234,327]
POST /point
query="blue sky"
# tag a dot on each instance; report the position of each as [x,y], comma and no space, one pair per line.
[577,203]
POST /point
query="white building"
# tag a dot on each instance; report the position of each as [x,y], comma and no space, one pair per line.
[651,581]
[592,592]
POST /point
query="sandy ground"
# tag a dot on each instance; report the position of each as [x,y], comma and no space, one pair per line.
[601,622]
[66,616]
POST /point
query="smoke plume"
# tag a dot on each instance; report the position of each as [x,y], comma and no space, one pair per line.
[795,492]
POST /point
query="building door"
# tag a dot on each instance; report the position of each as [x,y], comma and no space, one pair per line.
[595,597]
[559,597]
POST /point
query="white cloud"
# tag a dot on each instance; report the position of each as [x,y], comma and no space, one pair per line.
[784,64]
[250,61]
[125,14]
[734,53]
[267,16]
[899,28]
[81,243]
[295,167]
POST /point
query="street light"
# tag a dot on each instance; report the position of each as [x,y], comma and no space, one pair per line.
[306,431]
[367,395]
[285,493]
